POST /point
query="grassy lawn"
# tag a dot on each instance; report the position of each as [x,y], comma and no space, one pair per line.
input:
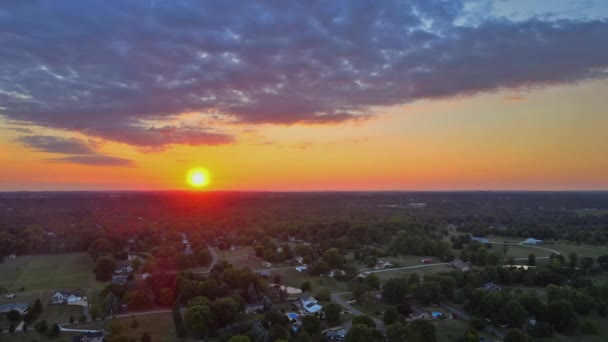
[47,271]
[293,278]
[159,326]
[591,212]
[228,254]
[581,250]
[39,274]
[32,335]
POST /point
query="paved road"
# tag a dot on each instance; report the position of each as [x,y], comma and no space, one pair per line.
[403,268]
[336,297]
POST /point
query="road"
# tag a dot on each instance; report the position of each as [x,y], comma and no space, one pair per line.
[336,297]
[526,245]
[403,268]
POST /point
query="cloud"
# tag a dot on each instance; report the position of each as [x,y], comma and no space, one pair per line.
[51,144]
[108,68]
[94,160]
[78,150]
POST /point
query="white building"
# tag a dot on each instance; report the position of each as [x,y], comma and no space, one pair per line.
[532,241]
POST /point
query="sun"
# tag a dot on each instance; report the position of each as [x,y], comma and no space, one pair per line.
[198,177]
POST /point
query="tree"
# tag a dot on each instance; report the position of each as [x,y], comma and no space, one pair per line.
[82,319]
[333,258]
[71,319]
[134,324]
[198,319]
[364,320]
[53,332]
[391,315]
[531,260]
[573,257]
[589,327]
[239,338]
[359,333]
[41,326]
[323,294]
[13,315]
[145,337]
[24,327]
[311,325]
[306,286]
[104,268]
[180,331]
[137,299]
[562,315]
[332,312]
[303,337]
[421,331]
[514,314]
[396,332]
[394,291]
[11,328]
[515,335]
[166,296]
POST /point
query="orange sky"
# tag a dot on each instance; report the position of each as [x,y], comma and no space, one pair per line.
[532,139]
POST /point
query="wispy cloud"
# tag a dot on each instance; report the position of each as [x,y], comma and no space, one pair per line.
[106,75]
[79,151]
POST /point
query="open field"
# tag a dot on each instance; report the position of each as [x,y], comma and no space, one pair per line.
[293,278]
[591,212]
[47,271]
[159,326]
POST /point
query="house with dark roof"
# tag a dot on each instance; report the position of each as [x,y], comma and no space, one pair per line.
[119,279]
[418,313]
[19,307]
[92,336]
[336,335]
[459,265]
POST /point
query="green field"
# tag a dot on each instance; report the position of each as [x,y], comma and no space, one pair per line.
[47,271]
[159,326]
[591,212]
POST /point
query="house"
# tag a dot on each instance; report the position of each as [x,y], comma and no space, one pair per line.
[267,264]
[426,260]
[380,265]
[12,256]
[91,336]
[254,308]
[188,250]
[300,260]
[263,273]
[9,296]
[293,317]
[459,265]
[65,297]
[336,335]
[309,303]
[19,307]
[301,268]
[125,269]
[532,241]
[335,273]
[491,287]
[119,279]
[418,313]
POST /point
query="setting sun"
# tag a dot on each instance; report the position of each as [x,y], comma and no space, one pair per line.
[198,177]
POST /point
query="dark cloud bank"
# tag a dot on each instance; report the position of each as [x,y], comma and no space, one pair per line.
[101,67]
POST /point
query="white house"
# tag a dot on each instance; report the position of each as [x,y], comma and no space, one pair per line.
[65,297]
[532,241]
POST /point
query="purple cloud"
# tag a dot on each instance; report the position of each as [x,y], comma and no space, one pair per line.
[78,151]
[105,68]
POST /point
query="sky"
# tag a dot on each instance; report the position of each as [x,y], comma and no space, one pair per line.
[304,95]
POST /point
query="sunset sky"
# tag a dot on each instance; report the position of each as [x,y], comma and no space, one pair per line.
[304,95]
